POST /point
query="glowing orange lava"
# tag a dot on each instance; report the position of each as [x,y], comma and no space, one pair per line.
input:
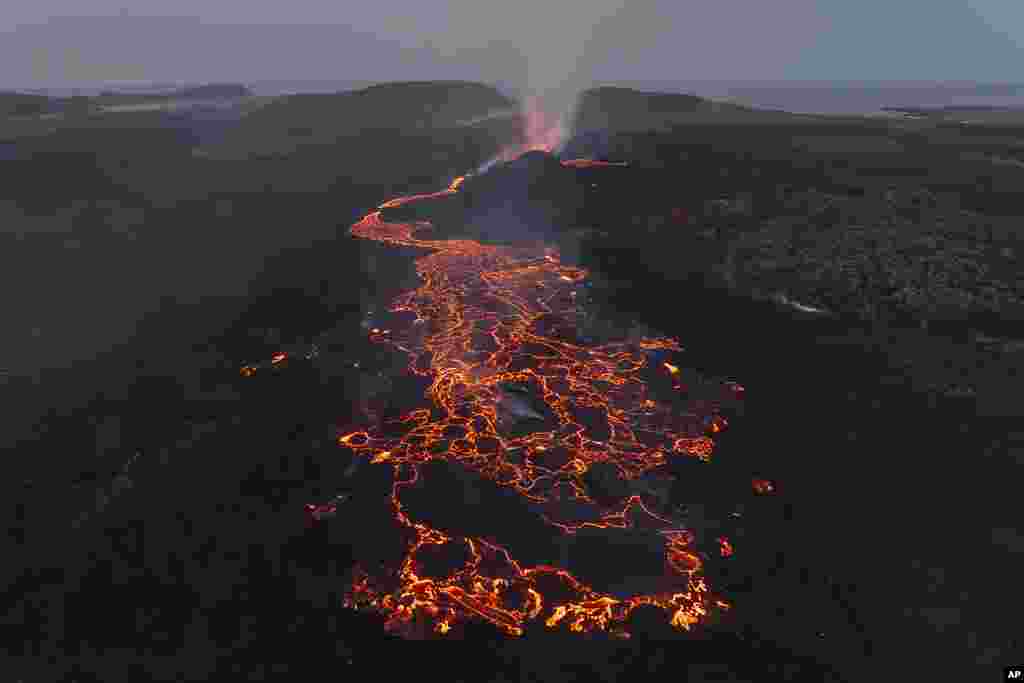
[481,318]
[591,163]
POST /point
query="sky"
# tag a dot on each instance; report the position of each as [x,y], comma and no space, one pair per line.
[539,45]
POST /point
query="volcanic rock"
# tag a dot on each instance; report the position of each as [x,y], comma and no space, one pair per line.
[621,562]
[366,523]
[533,170]
[517,404]
[373,481]
[655,490]
[521,411]
[696,481]
[458,501]
[533,195]
[650,623]
[605,484]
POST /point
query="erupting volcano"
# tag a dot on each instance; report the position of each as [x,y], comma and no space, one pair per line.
[539,132]
[573,436]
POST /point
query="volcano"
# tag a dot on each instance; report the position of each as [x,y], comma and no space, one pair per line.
[535,176]
[530,198]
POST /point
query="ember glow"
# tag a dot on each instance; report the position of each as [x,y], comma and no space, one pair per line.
[486,318]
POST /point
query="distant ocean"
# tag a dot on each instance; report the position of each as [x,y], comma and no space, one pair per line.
[817,97]
[851,97]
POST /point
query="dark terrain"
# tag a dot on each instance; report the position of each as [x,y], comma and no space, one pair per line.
[892,537]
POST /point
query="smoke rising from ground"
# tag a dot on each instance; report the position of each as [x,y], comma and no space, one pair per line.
[546,49]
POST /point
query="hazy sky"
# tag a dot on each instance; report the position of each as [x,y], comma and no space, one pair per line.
[538,43]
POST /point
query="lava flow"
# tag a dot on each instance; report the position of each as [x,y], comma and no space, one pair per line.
[487,318]
[519,399]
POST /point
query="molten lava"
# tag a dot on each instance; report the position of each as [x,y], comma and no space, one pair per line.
[486,318]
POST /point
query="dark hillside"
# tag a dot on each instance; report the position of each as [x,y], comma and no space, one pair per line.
[163,489]
[623,109]
[149,231]
[303,121]
[906,241]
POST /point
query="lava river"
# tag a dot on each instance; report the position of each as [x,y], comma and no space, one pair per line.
[486,320]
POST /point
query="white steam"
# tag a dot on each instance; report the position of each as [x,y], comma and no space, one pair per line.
[545,48]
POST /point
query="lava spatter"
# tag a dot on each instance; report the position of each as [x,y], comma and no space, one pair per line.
[487,328]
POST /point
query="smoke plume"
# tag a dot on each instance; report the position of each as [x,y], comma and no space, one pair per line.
[546,51]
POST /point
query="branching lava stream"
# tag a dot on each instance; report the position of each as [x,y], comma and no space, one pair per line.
[486,318]
[519,398]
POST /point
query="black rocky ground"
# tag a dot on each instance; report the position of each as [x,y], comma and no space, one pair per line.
[893,536]
[201,565]
[872,422]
